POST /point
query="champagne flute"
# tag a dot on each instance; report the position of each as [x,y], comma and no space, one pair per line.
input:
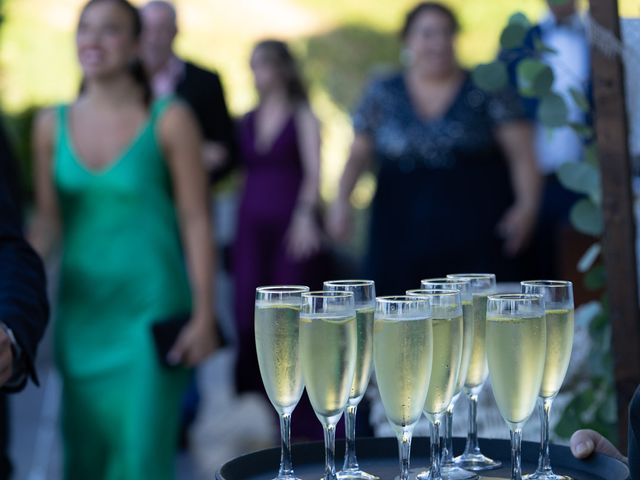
[482,284]
[446,312]
[277,323]
[516,349]
[328,350]
[448,467]
[558,305]
[364,292]
[402,355]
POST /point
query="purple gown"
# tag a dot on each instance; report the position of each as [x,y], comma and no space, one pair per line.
[273,179]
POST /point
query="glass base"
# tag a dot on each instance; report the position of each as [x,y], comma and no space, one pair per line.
[355,475]
[286,477]
[453,472]
[546,476]
[476,462]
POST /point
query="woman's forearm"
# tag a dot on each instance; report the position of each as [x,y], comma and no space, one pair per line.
[199,247]
[357,163]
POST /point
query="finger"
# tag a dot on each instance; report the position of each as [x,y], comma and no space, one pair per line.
[583,443]
[6,357]
[179,349]
[5,375]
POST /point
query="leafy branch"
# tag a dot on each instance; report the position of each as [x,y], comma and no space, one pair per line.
[593,405]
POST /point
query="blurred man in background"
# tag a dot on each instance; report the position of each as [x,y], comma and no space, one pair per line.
[200,88]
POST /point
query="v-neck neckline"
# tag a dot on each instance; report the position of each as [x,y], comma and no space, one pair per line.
[276,138]
[446,112]
[113,163]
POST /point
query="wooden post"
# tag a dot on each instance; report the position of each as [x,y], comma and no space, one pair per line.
[619,236]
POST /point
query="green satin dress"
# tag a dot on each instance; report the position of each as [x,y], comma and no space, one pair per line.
[122,270]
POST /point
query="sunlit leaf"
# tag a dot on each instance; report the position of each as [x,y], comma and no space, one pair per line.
[519,18]
[589,257]
[513,36]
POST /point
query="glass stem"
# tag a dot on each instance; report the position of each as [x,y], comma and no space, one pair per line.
[286,467]
[516,467]
[350,460]
[404,446]
[447,447]
[330,452]
[472,446]
[544,460]
[435,449]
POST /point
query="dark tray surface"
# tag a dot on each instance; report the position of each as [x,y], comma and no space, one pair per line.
[380,456]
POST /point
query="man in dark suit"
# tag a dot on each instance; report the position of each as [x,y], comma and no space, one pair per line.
[200,88]
[24,310]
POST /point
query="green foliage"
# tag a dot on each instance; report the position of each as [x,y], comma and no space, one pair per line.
[594,402]
[519,18]
[589,257]
[553,111]
[534,78]
[586,217]
[491,77]
[513,35]
[595,279]
[581,177]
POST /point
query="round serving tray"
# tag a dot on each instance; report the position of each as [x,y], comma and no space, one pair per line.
[380,456]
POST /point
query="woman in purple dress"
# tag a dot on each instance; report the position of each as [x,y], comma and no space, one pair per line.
[278,238]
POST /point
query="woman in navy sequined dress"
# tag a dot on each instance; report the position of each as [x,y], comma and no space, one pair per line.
[457,185]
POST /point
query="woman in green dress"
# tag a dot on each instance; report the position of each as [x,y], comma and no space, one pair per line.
[120,182]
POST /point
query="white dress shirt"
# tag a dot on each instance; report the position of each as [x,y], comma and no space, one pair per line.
[571,69]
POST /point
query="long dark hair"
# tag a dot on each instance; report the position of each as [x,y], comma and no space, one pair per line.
[424,7]
[279,55]
[136,68]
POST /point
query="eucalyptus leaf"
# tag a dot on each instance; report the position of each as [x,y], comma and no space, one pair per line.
[534,78]
[519,18]
[589,257]
[580,99]
[596,280]
[513,36]
[580,177]
[553,111]
[586,217]
[491,77]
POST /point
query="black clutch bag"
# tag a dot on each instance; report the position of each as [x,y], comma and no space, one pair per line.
[165,333]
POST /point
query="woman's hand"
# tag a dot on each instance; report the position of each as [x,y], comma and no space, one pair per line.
[586,442]
[516,228]
[197,340]
[303,237]
[339,220]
